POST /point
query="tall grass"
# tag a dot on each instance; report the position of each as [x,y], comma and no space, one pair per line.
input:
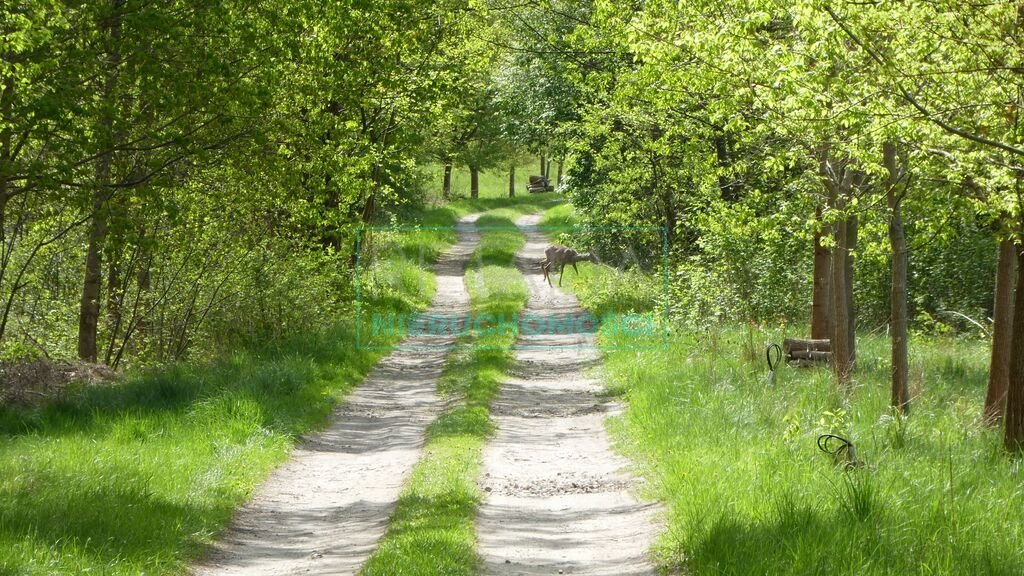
[748,491]
[432,529]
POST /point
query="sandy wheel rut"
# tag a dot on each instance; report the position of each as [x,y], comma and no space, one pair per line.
[558,500]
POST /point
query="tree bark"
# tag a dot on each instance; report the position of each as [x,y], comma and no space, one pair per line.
[852,226]
[842,363]
[474,182]
[821,306]
[1002,333]
[558,179]
[900,397]
[446,186]
[6,170]
[89,307]
[543,165]
[1014,415]
[115,298]
[511,181]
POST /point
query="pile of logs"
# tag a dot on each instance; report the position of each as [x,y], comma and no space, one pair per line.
[802,353]
[539,184]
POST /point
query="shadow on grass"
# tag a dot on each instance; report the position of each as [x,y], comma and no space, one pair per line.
[105,525]
[803,540]
[282,379]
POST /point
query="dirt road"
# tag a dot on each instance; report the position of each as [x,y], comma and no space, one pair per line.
[558,500]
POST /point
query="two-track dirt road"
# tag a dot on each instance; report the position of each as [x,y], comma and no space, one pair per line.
[558,500]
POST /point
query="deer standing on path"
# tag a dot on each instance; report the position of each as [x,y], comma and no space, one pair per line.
[556,255]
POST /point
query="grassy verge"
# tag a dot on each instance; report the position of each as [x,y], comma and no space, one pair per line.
[432,529]
[748,491]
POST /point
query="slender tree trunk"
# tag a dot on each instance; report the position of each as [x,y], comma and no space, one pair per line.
[474,182]
[900,398]
[821,305]
[115,297]
[543,165]
[547,171]
[1002,333]
[511,181]
[727,188]
[145,282]
[1014,415]
[446,186]
[89,307]
[842,362]
[852,226]
[558,179]
[6,171]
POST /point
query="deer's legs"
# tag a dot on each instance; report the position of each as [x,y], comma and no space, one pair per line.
[575,268]
[560,273]
[546,266]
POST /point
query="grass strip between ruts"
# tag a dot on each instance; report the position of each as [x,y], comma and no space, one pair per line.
[432,529]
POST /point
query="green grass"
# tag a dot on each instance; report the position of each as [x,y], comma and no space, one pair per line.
[432,528]
[140,477]
[748,492]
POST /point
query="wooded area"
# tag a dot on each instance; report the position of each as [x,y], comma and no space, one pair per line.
[187,177]
[188,188]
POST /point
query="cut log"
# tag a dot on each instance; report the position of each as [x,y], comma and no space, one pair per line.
[793,344]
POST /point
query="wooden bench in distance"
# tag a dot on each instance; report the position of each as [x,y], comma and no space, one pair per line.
[539,184]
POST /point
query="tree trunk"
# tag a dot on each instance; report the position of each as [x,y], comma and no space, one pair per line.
[821,306]
[89,307]
[843,364]
[900,398]
[6,171]
[1002,333]
[474,182]
[115,298]
[727,188]
[446,186]
[512,182]
[852,226]
[558,179]
[543,165]
[1014,415]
